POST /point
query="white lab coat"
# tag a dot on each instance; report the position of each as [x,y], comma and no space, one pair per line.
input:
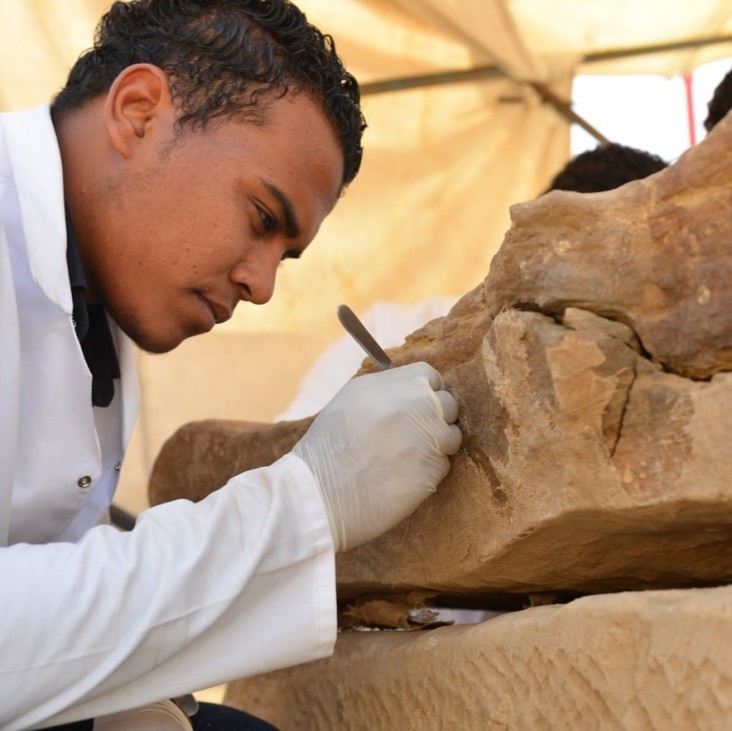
[93,620]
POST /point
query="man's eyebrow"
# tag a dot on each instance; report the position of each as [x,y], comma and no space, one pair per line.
[292,226]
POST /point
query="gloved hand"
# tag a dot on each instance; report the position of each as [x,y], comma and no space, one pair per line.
[379,448]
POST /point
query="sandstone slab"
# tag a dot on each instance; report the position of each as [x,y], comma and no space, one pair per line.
[646,660]
[202,456]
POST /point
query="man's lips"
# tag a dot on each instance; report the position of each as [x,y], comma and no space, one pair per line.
[218,312]
[221,313]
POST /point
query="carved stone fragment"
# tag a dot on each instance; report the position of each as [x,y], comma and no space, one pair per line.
[639,660]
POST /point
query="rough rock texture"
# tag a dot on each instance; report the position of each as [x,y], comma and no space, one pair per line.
[590,370]
[202,455]
[654,660]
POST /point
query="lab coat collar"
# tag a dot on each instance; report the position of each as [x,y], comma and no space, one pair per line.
[36,161]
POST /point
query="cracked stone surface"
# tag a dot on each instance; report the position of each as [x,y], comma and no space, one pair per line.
[653,660]
[591,368]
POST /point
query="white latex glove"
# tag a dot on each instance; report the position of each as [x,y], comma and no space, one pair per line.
[379,448]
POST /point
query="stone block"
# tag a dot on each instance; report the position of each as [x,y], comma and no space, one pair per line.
[591,369]
[654,660]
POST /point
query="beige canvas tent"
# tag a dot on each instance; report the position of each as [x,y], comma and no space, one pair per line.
[466,102]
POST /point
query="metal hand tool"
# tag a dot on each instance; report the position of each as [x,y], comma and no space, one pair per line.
[356,329]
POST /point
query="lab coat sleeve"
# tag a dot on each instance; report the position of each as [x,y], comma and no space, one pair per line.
[196,595]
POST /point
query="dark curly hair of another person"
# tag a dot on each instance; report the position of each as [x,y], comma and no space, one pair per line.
[606,167]
[225,59]
[720,103]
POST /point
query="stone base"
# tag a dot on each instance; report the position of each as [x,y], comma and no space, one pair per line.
[634,660]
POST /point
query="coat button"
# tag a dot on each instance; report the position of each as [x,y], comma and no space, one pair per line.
[84,481]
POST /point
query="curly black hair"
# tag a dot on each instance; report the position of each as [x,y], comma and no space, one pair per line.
[720,103]
[224,59]
[606,167]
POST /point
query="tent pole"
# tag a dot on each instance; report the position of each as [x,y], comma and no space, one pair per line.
[484,72]
[444,77]
[688,84]
[613,53]
[474,74]
[564,108]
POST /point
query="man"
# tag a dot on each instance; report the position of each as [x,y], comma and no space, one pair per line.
[198,144]
[720,102]
[606,167]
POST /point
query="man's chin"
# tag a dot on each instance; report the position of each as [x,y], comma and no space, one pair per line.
[155,340]
[154,348]
[155,344]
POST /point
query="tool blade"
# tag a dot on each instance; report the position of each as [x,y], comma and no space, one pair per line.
[356,329]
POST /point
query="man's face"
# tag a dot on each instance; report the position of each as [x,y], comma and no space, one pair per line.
[186,230]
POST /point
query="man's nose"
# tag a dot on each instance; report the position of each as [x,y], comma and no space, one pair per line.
[257,279]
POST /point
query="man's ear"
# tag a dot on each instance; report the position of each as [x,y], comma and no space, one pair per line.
[139,98]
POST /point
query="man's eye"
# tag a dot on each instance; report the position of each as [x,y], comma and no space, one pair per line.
[269,223]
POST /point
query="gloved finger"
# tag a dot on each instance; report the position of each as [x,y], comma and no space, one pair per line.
[434,378]
[451,439]
[425,369]
[449,406]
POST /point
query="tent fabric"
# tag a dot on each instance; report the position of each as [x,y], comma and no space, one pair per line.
[442,166]
[582,28]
